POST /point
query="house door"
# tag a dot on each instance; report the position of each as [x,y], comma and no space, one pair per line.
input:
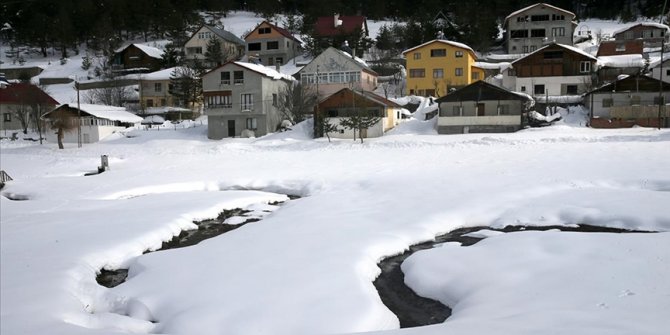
[87,138]
[231,128]
[364,133]
[480,110]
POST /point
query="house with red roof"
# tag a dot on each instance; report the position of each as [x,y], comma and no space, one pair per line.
[271,45]
[337,29]
[22,104]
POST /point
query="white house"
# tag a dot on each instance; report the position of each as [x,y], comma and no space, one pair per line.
[97,121]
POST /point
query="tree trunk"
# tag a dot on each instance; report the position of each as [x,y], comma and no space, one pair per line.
[59,134]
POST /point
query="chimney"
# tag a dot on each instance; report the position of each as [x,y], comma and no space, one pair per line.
[336,20]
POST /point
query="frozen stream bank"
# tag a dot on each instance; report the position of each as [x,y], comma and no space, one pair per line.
[413,310]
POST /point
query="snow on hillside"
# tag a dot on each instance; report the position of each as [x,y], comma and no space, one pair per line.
[308,267]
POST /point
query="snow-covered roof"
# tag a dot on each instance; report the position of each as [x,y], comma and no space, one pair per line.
[492,66]
[158,75]
[452,43]
[153,119]
[164,110]
[620,61]
[103,112]
[264,70]
[150,51]
[568,47]
[539,4]
[644,24]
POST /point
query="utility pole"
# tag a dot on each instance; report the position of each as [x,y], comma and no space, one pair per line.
[661,101]
[315,119]
[76,84]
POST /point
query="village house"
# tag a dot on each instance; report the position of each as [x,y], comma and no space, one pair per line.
[23,103]
[628,102]
[338,29]
[611,67]
[439,66]
[530,28]
[650,33]
[658,68]
[346,102]
[241,99]
[156,99]
[232,46]
[97,122]
[553,70]
[272,45]
[616,48]
[481,108]
[335,70]
[136,58]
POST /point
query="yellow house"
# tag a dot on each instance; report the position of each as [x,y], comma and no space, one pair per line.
[436,67]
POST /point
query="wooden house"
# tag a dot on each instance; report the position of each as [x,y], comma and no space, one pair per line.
[97,121]
[137,58]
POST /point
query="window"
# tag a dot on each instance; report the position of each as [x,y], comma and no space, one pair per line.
[503,109]
[457,111]
[417,55]
[458,54]
[557,17]
[523,88]
[629,35]
[475,75]
[271,61]
[458,72]
[519,33]
[7,117]
[607,102]
[553,55]
[219,100]
[163,102]
[194,50]
[274,99]
[247,102]
[332,113]
[150,102]
[538,89]
[559,31]
[205,35]
[533,48]
[438,73]
[525,49]
[438,52]
[264,30]
[252,123]
[659,100]
[667,72]
[158,87]
[544,17]
[238,77]
[279,60]
[254,46]
[272,45]
[620,47]
[538,33]
[585,67]
[647,33]
[225,78]
[417,73]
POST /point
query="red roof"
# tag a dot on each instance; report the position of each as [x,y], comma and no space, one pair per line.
[325,25]
[280,30]
[23,93]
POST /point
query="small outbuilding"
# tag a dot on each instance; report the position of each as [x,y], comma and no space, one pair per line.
[96,121]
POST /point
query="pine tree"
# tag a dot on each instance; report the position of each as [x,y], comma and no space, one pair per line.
[214,55]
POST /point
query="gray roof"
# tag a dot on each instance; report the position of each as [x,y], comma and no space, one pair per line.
[226,35]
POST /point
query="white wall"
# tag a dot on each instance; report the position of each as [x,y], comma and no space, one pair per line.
[552,84]
[375,131]
[95,133]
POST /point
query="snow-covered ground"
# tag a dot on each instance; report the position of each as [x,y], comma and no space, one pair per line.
[308,267]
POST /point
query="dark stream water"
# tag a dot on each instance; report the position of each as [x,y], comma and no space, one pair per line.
[206,230]
[413,310]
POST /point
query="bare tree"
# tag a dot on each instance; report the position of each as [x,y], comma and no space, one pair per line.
[296,101]
[62,121]
[185,84]
[111,95]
